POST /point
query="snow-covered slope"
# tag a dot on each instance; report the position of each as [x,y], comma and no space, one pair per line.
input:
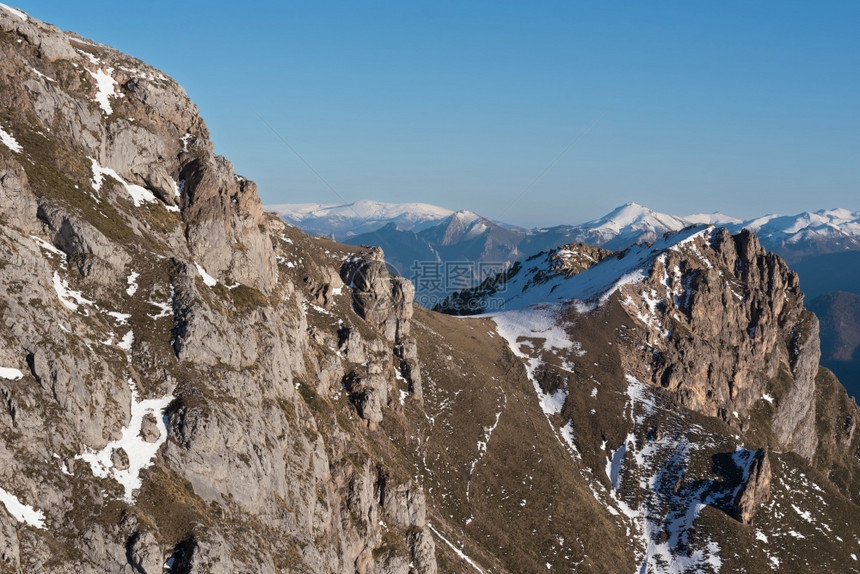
[630,223]
[808,233]
[348,219]
[792,236]
[536,284]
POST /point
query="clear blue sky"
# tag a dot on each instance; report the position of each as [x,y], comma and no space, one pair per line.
[737,106]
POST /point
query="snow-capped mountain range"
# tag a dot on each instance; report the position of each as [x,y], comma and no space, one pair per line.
[794,237]
[348,219]
[434,247]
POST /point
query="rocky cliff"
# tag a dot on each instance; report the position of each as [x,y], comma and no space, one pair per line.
[724,329]
[170,352]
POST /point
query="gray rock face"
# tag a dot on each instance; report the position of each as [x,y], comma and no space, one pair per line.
[577,257]
[224,216]
[10,560]
[724,327]
[179,397]
[756,491]
[149,428]
[385,301]
[187,380]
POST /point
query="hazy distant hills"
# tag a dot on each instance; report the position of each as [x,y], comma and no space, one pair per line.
[348,219]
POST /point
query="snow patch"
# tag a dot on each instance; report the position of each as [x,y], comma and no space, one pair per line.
[139,452]
[10,374]
[47,246]
[105,84]
[614,466]
[121,318]
[132,283]
[126,342]
[207,279]
[22,512]
[164,309]
[138,194]
[41,75]
[70,298]
[567,434]
[186,139]
[639,396]
[14,12]
[10,142]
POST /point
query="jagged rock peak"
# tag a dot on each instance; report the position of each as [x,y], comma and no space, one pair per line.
[116,122]
[756,490]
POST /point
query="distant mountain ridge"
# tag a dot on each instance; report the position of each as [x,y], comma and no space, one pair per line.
[792,236]
[460,249]
[348,219]
[416,236]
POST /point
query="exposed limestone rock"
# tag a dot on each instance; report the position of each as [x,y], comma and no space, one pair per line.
[756,491]
[86,247]
[9,548]
[410,368]
[724,323]
[224,224]
[577,257]
[283,439]
[385,302]
[352,345]
[19,207]
[149,428]
[108,218]
[156,178]
[368,394]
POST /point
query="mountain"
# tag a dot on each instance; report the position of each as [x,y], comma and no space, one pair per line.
[185,382]
[809,234]
[462,249]
[797,238]
[624,226]
[349,219]
[701,321]
[189,384]
[793,237]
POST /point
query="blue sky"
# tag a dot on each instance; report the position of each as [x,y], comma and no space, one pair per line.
[533,113]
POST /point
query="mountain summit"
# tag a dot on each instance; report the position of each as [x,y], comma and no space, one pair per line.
[348,219]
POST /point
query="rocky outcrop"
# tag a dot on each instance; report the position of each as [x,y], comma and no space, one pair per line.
[385,301]
[577,257]
[723,326]
[224,223]
[185,380]
[756,491]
